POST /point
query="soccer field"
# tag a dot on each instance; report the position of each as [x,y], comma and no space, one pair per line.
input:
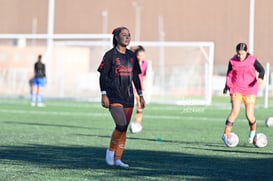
[66,141]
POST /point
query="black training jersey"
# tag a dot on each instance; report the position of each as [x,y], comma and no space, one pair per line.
[39,70]
[117,72]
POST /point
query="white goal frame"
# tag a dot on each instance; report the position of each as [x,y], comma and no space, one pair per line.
[208,55]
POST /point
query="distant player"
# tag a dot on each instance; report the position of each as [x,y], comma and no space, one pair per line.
[38,83]
[118,70]
[136,126]
[242,83]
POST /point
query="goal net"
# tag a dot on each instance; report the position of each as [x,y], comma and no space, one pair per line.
[182,71]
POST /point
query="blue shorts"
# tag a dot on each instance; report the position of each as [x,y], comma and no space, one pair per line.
[39,82]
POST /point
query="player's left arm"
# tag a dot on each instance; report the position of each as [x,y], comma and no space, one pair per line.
[260,69]
[44,73]
[137,83]
[144,74]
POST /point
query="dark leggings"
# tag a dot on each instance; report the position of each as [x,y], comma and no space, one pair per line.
[121,116]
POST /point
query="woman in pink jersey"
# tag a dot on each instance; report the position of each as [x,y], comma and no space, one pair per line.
[242,84]
[136,126]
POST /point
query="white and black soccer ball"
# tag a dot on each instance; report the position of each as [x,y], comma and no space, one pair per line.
[232,140]
[269,122]
[135,127]
[260,140]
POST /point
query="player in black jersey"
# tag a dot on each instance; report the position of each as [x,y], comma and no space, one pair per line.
[118,69]
[38,82]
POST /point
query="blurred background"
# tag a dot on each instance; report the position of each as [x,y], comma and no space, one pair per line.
[188,44]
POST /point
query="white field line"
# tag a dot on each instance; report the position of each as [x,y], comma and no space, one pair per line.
[54,104]
[62,113]
[51,113]
[94,114]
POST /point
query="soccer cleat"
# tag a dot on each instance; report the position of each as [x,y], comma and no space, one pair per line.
[224,138]
[121,164]
[109,158]
[32,104]
[40,105]
[135,127]
[251,136]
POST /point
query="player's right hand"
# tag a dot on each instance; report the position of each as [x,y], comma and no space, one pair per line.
[225,90]
[142,102]
[105,101]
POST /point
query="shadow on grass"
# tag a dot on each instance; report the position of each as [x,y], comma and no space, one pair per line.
[144,163]
[196,145]
[50,125]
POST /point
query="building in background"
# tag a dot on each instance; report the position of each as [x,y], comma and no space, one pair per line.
[224,22]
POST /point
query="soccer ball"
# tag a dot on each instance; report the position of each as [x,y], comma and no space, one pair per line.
[135,128]
[269,122]
[260,140]
[232,140]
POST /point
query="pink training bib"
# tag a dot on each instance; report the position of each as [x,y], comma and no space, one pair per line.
[242,78]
